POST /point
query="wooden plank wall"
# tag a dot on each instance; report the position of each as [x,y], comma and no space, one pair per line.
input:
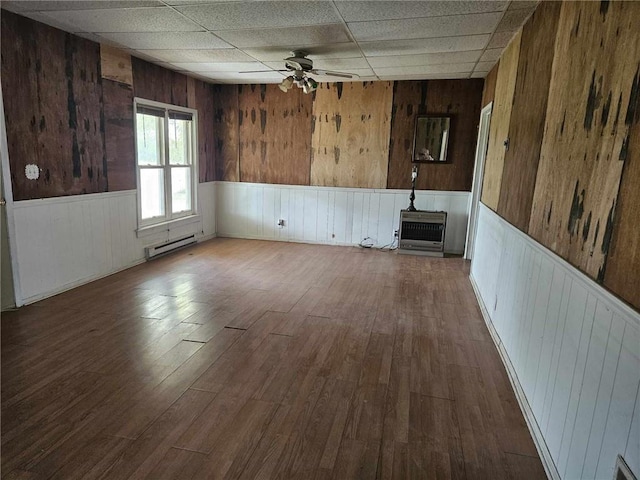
[528,114]
[593,87]
[500,117]
[52,97]
[274,134]
[489,90]
[459,99]
[350,134]
[225,131]
[153,82]
[119,136]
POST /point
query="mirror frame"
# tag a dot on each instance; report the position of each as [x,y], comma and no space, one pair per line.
[414,158]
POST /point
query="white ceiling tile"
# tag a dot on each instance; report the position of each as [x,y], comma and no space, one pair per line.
[484,66]
[425,69]
[333,50]
[425,27]
[340,64]
[478,75]
[167,40]
[430,76]
[357,72]
[513,20]
[197,2]
[491,55]
[56,23]
[500,40]
[221,66]
[211,55]
[267,77]
[390,10]
[154,19]
[237,15]
[50,5]
[297,36]
[424,45]
[425,59]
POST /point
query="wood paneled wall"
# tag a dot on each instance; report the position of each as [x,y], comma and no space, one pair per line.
[586,138]
[274,134]
[52,92]
[500,117]
[571,173]
[225,132]
[528,113]
[459,99]
[350,139]
[489,89]
[69,109]
[361,134]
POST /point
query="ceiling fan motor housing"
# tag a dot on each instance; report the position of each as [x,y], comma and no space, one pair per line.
[298,63]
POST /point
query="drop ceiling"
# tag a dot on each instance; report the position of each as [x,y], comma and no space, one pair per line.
[218,41]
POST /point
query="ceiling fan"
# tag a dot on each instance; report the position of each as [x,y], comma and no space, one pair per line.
[300,66]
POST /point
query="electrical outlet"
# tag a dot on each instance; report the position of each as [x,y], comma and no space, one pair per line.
[395,233]
[281,223]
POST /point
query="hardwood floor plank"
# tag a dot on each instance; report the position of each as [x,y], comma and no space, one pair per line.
[255,359]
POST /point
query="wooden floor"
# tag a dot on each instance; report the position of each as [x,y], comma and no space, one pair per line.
[252,359]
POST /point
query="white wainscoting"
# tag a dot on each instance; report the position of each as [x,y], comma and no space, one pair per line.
[64,242]
[328,215]
[571,348]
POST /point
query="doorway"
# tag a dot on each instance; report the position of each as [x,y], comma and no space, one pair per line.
[478,176]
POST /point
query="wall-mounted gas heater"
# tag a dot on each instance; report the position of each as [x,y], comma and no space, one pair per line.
[422,233]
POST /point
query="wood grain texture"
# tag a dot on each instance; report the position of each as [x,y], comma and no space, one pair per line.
[52,96]
[225,131]
[594,84]
[350,134]
[459,99]
[274,134]
[115,64]
[252,359]
[153,82]
[623,261]
[528,115]
[202,98]
[489,90]
[500,118]
[119,136]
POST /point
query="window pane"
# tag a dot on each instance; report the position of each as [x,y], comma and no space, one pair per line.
[149,139]
[152,192]
[180,189]
[179,141]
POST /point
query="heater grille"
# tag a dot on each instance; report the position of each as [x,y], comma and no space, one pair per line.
[422,231]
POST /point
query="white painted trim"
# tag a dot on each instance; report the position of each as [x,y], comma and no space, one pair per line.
[478,178]
[538,438]
[72,198]
[168,225]
[9,206]
[627,312]
[292,240]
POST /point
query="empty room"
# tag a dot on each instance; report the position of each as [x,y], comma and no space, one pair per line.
[320,239]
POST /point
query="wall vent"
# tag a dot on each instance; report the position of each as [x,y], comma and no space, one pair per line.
[167,247]
[623,472]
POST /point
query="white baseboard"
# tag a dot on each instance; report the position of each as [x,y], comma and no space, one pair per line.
[538,438]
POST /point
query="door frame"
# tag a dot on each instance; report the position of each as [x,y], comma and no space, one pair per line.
[8,195]
[478,177]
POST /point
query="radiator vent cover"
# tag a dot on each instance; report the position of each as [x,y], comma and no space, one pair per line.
[167,247]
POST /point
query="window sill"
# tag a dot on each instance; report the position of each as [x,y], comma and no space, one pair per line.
[149,230]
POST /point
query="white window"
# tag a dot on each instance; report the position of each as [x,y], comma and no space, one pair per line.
[166,156]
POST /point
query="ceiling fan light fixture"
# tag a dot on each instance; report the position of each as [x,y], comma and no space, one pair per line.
[286,84]
[309,85]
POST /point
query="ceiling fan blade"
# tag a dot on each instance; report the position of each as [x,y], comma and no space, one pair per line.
[334,74]
[263,71]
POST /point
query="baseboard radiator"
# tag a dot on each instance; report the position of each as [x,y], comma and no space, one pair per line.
[167,247]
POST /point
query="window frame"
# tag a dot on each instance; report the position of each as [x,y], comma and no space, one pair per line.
[166,166]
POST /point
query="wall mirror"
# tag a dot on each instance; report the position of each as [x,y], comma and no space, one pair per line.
[431,138]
